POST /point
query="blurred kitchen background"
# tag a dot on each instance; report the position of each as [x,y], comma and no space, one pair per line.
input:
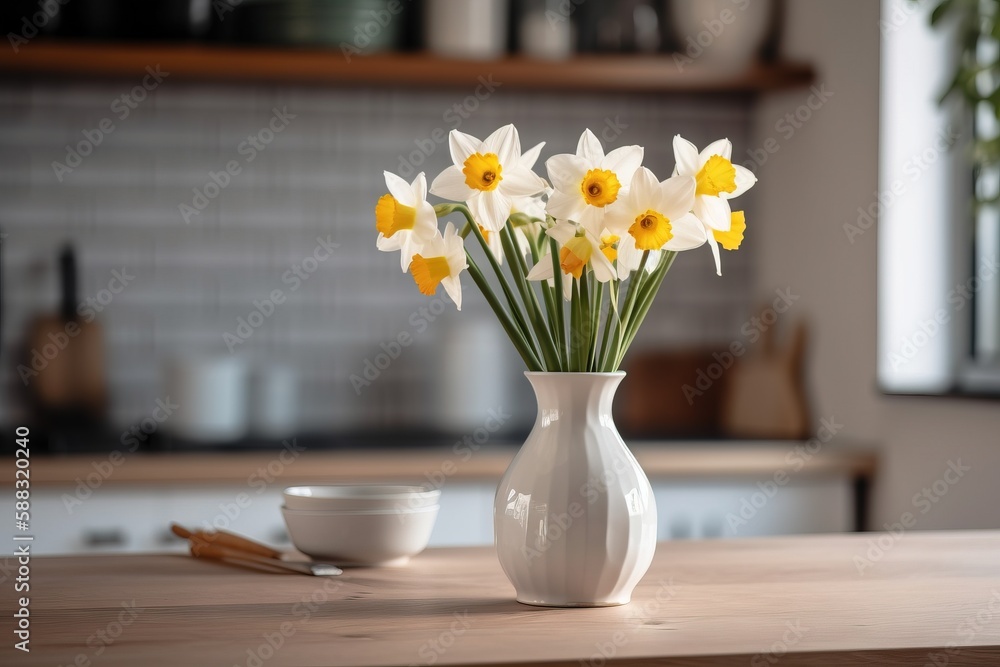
[223,313]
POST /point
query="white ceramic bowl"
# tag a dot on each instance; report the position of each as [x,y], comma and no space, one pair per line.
[353,497]
[365,537]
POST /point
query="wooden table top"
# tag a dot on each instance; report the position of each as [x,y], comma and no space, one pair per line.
[752,459]
[788,601]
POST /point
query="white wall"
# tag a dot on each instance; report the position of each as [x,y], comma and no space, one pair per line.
[815,183]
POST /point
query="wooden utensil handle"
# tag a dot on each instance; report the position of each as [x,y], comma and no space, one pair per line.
[230,540]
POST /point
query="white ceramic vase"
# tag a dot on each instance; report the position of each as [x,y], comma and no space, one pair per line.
[574,515]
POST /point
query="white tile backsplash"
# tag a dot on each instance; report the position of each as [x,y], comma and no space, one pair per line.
[320,176]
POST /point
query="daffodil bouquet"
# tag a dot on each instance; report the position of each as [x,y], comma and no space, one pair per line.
[585,251]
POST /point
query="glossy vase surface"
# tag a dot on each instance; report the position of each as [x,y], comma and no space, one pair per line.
[574,515]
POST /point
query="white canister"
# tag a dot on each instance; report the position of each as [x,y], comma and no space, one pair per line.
[474,29]
[273,401]
[211,394]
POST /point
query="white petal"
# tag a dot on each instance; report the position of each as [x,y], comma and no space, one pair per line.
[562,232]
[419,187]
[462,145]
[589,147]
[408,248]
[425,227]
[543,270]
[713,211]
[529,158]
[686,156]
[745,180]
[490,209]
[688,232]
[399,189]
[653,261]
[645,191]
[628,256]
[678,196]
[714,245]
[505,144]
[389,244]
[453,286]
[450,184]
[592,219]
[623,161]
[604,270]
[565,206]
[566,171]
[519,181]
[722,147]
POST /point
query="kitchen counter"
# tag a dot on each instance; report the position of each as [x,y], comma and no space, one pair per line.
[921,598]
[759,459]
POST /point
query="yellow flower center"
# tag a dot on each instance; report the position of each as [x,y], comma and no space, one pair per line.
[428,272]
[718,175]
[600,187]
[482,172]
[485,232]
[391,216]
[608,247]
[651,230]
[574,256]
[732,239]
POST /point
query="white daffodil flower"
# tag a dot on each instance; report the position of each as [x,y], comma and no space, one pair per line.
[441,261]
[654,216]
[578,249]
[589,182]
[718,180]
[404,218]
[487,175]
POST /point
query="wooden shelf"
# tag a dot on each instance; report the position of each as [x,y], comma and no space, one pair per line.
[598,73]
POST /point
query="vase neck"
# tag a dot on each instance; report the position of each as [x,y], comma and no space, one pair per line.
[574,395]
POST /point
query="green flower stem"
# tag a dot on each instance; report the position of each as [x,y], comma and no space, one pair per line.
[646,300]
[595,322]
[610,323]
[626,314]
[575,316]
[504,284]
[509,326]
[560,310]
[519,270]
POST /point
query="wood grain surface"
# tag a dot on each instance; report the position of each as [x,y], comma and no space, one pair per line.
[785,601]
